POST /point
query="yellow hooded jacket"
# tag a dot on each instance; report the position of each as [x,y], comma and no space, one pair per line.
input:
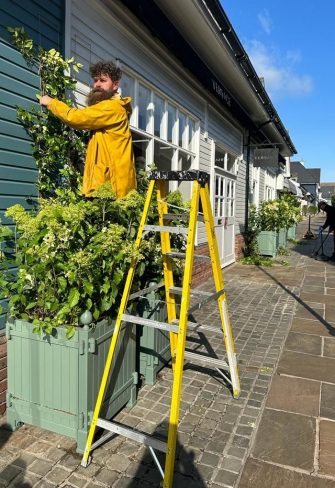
[109,156]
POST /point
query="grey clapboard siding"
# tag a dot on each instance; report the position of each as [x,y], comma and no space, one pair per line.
[43,21]
[240,198]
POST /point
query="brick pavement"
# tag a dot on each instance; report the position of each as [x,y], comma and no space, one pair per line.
[275,434]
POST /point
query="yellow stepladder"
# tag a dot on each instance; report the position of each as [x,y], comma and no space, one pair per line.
[177,327]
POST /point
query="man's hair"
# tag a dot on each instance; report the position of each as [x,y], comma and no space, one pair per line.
[106,68]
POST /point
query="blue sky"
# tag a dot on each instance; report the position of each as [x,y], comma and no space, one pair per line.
[291,43]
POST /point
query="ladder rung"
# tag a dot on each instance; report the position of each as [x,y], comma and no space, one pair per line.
[212,296]
[167,228]
[176,290]
[194,326]
[132,434]
[171,216]
[134,319]
[217,363]
[182,255]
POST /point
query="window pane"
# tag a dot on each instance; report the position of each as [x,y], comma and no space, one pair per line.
[163,156]
[230,163]
[185,164]
[219,157]
[143,107]
[171,123]
[158,116]
[128,90]
[191,144]
[182,130]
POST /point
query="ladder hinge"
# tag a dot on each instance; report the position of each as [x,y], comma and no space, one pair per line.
[92,345]
[82,347]
[135,377]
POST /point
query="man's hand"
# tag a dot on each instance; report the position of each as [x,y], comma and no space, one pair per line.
[45,100]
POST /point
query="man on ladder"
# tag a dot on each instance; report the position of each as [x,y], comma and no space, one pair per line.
[177,327]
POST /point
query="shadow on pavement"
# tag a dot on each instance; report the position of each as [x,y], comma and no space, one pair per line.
[315,314]
[14,472]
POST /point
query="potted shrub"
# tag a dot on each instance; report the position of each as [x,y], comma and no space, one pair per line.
[71,258]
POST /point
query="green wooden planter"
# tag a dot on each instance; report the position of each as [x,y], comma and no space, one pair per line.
[268,242]
[153,345]
[282,238]
[292,232]
[53,382]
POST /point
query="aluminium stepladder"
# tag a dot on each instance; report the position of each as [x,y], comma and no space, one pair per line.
[177,327]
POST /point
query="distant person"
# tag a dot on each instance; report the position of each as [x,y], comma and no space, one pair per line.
[109,155]
[330,222]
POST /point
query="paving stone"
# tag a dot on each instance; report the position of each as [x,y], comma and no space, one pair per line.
[77,481]
[304,343]
[57,475]
[329,347]
[307,366]
[327,447]
[316,327]
[294,395]
[71,461]
[41,467]
[8,474]
[327,408]
[226,477]
[257,474]
[107,476]
[210,459]
[286,438]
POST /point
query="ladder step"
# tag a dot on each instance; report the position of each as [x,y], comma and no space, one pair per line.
[172,216]
[176,290]
[166,228]
[134,319]
[183,217]
[132,434]
[182,255]
[196,357]
[194,326]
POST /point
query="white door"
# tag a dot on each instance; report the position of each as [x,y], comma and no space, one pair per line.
[224,220]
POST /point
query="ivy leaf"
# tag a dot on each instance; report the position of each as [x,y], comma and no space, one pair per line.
[74,297]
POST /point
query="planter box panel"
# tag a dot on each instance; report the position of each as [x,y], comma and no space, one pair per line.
[153,344]
[282,238]
[53,382]
[268,243]
[292,232]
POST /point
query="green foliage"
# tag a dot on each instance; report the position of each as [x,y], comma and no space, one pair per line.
[257,261]
[332,200]
[58,149]
[281,213]
[312,209]
[73,254]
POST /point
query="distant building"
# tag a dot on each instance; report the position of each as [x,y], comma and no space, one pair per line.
[327,191]
[309,180]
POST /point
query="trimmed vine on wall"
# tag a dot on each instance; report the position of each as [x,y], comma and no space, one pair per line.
[57,149]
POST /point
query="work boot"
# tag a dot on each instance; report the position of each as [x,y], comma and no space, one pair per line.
[332,257]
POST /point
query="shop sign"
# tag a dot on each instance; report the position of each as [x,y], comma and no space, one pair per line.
[266,157]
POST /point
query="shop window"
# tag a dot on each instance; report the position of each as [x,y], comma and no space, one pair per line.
[159,111]
[172,117]
[225,160]
[143,108]
[128,90]
[185,162]
[183,131]
[192,132]
[163,156]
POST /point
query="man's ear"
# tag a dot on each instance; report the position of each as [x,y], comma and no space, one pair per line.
[116,85]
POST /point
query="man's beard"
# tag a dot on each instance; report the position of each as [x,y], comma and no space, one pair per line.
[97,95]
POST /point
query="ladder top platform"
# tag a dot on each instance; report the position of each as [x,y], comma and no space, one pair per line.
[192,175]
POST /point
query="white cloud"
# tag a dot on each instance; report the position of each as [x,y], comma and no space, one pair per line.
[281,80]
[265,20]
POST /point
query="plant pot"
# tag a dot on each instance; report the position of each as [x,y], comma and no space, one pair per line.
[153,345]
[268,242]
[292,232]
[282,238]
[53,381]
